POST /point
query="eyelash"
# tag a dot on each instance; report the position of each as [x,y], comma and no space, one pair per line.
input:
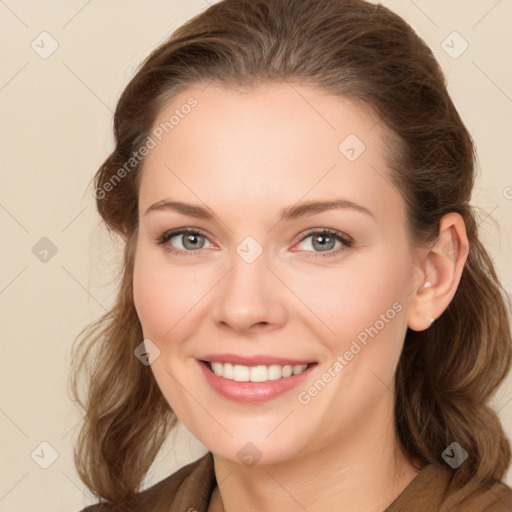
[346,241]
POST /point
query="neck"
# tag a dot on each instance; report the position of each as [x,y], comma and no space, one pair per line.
[365,472]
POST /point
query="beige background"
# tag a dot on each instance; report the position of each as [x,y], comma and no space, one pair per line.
[56,130]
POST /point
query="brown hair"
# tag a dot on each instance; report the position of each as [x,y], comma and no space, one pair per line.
[351,48]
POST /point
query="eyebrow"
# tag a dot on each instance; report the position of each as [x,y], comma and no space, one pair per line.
[289,213]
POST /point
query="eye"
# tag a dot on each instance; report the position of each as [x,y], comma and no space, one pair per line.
[326,241]
[323,243]
[183,241]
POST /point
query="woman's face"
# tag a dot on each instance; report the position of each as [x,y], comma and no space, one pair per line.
[297,255]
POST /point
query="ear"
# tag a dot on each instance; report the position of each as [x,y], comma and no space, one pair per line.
[438,271]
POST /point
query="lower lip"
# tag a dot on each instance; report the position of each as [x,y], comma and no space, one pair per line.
[253,392]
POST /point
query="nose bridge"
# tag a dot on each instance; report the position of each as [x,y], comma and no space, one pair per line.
[249,294]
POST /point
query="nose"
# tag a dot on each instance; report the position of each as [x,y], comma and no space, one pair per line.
[250,297]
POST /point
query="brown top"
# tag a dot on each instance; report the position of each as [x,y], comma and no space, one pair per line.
[432,490]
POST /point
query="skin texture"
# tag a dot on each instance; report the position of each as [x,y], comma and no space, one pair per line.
[245,155]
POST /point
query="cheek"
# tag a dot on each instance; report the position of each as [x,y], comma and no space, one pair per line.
[347,300]
[362,312]
[162,295]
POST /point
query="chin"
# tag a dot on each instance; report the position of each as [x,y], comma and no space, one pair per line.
[251,453]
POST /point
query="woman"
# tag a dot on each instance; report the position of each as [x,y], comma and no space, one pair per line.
[303,284]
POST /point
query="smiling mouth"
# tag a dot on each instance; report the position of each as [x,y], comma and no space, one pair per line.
[259,373]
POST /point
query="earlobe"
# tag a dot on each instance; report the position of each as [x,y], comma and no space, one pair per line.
[420,317]
[440,270]
[430,320]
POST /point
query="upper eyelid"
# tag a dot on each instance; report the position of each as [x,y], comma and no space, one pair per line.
[330,231]
[171,233]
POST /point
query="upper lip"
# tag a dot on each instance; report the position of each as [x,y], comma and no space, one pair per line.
[254,360]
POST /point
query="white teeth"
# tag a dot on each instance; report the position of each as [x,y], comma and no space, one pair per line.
[260,373]
[298,368]
[240,373]
[217,369]
[287,370]
[227,370]
[274,372]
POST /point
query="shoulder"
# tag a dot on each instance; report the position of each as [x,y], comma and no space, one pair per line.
[435,488]
[188,488]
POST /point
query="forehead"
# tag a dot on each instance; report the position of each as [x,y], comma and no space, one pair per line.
[278,142]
